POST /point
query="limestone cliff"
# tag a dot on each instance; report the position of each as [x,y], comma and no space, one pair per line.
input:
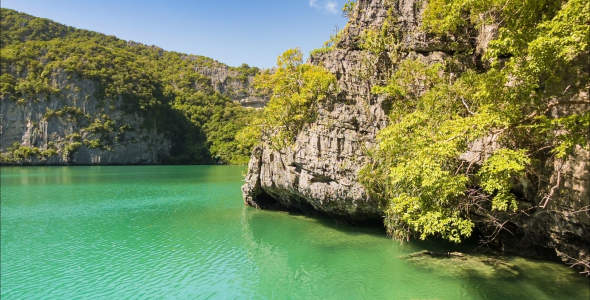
[72,96]
[237,86]
[74,127]
[319,173]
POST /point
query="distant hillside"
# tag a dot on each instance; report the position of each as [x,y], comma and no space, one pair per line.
[72,96]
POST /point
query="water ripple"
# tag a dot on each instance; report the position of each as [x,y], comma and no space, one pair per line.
[179,232]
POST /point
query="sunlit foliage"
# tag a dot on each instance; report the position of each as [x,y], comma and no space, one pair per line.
[537,61]
[296,90]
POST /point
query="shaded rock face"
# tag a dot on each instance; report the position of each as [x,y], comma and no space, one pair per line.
[562,228]
[319,173]
[29,125]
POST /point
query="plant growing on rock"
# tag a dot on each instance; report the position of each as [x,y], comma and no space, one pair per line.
[538,62]
[296,89]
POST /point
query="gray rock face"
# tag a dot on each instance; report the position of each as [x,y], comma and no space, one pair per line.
[319,173]
[405,18]
[231,83]
[29,125]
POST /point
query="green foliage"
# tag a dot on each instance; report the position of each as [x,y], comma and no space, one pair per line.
[497,173]
[18,152]
[95,143]
[161,86]
[330,44]
[249,136]
[348,8]
[378,42]
[73,114]
[45,154]
[7,84]
[296,89]
[99,126]
[245,72]
[70,148]
[537,62]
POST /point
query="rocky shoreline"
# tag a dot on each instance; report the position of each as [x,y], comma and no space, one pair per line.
[319,173]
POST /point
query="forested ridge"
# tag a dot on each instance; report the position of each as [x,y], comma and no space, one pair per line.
[163,87]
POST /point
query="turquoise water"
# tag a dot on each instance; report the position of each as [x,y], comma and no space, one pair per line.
[182,232]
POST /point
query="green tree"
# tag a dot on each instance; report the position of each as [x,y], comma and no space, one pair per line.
[537,62]
[296,89]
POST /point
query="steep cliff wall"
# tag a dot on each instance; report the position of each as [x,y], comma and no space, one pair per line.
[320,172]
[74,127]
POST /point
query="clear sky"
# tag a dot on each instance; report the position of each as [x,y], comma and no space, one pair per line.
[230,31]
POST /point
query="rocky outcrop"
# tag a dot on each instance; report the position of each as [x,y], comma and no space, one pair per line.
[78,127]
[238,86]
[319,172]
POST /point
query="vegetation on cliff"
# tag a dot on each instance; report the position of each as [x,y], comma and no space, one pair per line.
[537,64]
[163,87]
[296,90]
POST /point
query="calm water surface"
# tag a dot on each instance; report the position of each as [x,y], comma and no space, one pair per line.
[182,232]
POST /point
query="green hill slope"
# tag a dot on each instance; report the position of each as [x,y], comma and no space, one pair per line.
[44,63]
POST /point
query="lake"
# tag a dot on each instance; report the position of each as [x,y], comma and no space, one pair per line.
[183,232]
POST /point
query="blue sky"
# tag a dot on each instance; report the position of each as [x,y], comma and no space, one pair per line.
[230,31]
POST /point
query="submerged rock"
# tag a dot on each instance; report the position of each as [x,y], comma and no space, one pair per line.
[462,265]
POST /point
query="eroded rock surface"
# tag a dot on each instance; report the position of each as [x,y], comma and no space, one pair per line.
[320,171]
[231,83]
[29,124]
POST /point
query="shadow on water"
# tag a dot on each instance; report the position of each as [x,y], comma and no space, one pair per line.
[372,227]
[287,242]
